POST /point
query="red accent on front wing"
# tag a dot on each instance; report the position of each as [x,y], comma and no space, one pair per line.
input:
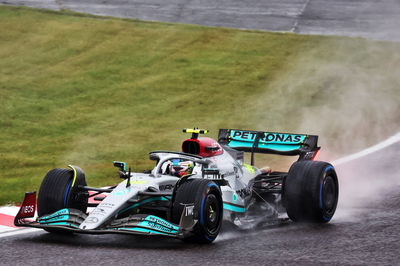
[28,206]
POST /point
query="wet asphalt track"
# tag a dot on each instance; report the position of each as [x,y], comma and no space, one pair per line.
[365,18]
[364,231]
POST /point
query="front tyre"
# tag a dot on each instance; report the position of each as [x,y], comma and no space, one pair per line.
[311,191]
[59,190]
[206,197]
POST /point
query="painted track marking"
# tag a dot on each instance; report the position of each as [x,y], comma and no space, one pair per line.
[390,141]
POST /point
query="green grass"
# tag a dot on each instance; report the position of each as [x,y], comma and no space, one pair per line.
[86,90]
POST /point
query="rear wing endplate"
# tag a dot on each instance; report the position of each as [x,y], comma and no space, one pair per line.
[303,145]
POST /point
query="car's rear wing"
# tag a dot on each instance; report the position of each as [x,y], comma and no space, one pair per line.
[306,146]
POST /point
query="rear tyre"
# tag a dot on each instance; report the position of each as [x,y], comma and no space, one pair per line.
[208,208]
[56,192]
[311,191]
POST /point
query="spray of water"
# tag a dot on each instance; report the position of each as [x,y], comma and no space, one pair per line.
[368,177]
[346,92]
[350,97]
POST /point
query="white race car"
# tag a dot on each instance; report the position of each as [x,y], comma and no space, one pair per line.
[189,194]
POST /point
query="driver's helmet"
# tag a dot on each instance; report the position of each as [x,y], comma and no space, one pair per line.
[180,168]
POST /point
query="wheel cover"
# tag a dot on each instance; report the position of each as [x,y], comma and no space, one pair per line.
[212,214]
[329,194]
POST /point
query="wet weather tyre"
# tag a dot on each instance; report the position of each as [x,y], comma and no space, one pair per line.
[208,208]
[311,191]
[56,192]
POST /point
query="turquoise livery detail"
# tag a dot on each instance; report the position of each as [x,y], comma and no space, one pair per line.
[144,230]
[60,215]
[273,141]
[233,208]
[145,201]
[55,219]
[64,223]
[157,223]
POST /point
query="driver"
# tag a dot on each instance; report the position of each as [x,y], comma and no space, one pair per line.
[181,168]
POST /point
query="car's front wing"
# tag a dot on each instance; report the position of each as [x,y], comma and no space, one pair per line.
[139,224]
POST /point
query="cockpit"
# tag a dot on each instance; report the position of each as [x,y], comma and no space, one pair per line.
[177,164]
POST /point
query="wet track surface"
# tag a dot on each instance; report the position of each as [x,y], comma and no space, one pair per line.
[367,18]
[371,240]
[365,230]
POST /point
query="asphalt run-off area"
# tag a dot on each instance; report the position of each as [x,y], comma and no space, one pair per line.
[368,18]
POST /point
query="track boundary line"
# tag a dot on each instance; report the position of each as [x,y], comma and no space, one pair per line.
[18,232]
[391,140]
[296,23]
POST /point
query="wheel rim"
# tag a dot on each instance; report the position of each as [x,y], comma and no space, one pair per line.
[329,194]
[212,214]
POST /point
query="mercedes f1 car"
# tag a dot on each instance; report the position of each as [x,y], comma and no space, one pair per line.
[189,194]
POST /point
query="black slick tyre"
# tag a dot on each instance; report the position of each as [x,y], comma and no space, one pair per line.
[206,197]
[311,191]
[59,190]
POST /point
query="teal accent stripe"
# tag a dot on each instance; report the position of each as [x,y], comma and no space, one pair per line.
[269,138]
[143,202]
[277,147]
[143,230]
[55,214]
[148,224]
[63,223]
[233,208]
[274,141]
[162,222]
[54,219]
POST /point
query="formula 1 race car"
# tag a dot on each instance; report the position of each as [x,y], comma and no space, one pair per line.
[189,194]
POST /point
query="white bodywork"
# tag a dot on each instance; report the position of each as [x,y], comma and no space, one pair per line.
[234,172]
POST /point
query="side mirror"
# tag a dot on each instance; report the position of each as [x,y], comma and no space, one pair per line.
[120,165]
[154,157]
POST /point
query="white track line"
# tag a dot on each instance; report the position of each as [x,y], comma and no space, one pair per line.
[18,231]
[296,23]
[9,210]
[375,148]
